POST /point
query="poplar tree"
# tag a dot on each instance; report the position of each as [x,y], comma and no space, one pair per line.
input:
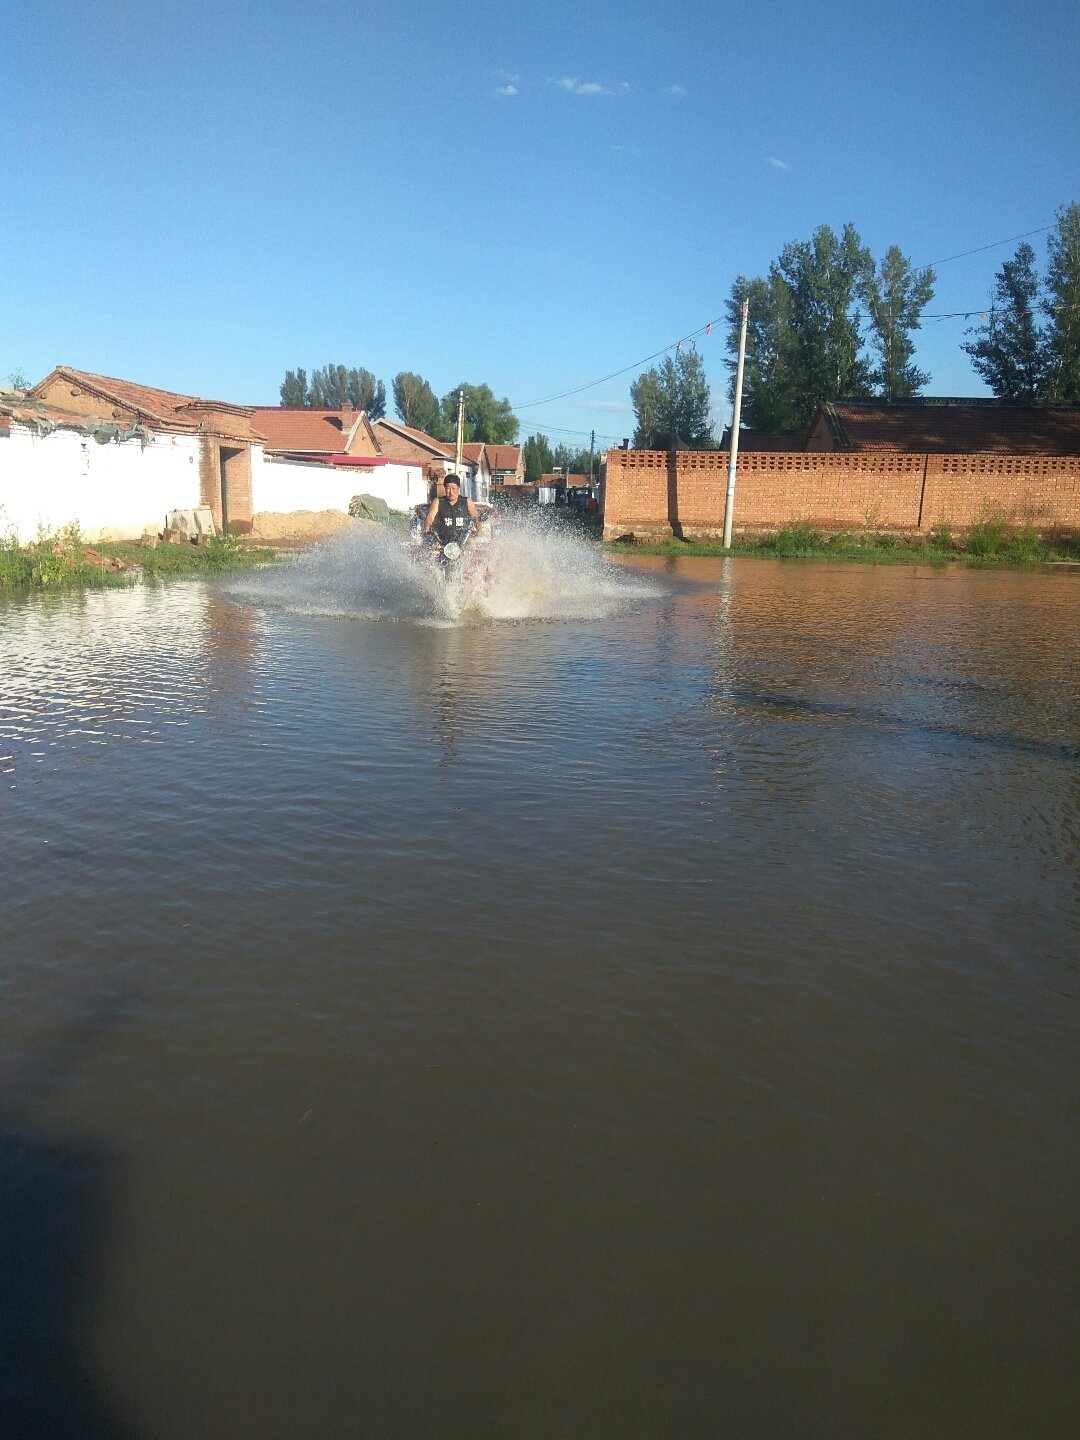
[671,403]
[1061,304]
[1009,351]
[769,401]
[333,388]
[294,389]
[539,458]
[896,295]
[415,402]
[825,276]
[805,340]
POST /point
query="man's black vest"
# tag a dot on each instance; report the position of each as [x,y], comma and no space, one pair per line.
[452,522]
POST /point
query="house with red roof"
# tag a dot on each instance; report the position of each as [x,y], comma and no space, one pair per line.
[324,459]
[117,457]
[438,457]
[302,434]
[507,465]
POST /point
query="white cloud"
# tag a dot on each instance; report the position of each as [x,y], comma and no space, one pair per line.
[505,91]
[677,91]
[573,86]
[778,164]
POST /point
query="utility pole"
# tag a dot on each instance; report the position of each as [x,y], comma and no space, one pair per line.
[460,426]
[592,447]
[736,419]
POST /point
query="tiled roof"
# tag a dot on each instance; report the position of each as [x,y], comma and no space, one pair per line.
[318,432]
[955,427]
[160,404]
[402,442]
[473,452]
[503,457]
[27,411]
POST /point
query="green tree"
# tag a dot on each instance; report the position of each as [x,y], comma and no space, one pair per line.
[539,459]
[671,403]
[1062,307]
[896,295]
[824,276]
[804,339]
[335,386]
[415,402]
[294,389]
[1009,351]
[769,371]
[487,419]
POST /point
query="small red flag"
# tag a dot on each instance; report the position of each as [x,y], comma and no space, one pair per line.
[708,329]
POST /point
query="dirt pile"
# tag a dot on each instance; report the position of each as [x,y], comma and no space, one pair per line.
[300,524]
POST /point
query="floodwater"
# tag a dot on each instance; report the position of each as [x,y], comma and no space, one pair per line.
[645,1006]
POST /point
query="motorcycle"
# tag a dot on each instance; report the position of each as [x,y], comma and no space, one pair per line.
[462,566]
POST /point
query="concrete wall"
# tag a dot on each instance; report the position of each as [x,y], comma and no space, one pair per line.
[114,491]
[656,493]
[283,486]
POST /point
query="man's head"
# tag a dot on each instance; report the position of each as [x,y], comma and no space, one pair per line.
[455,482]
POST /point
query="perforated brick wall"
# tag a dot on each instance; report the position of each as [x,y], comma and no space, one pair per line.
[656,493]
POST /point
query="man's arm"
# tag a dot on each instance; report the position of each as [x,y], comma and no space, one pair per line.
[433,510]
[474,514]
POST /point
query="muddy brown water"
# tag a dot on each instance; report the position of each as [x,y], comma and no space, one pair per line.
[659,1018]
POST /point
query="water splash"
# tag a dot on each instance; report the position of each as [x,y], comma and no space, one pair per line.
[529,571]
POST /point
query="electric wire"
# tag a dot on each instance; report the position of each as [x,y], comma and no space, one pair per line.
[706,328]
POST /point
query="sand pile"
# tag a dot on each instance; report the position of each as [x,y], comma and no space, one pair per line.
[301,524]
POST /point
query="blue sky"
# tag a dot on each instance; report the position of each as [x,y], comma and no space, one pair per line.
[201,196]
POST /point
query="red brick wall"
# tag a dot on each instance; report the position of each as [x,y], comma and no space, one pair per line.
[652,492]
[237,479]
[1040,490]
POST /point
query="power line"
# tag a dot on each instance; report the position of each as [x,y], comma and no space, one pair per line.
[675,345]
[706,329]
[992,246]
[561,430]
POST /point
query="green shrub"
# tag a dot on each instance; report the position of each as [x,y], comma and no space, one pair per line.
[14,564]
[987,539]
[797,538]
[1025,546]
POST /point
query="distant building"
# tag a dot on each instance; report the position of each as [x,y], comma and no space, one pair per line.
[506,464]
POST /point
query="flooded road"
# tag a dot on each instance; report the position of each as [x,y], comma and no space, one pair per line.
[649,1010]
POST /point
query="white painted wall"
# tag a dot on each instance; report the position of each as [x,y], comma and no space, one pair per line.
[283,486]
[114,491]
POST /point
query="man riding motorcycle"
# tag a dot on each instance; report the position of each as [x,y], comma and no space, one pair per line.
[451,516]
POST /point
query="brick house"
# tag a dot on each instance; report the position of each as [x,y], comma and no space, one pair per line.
[302,434]
[222,433]
[507,465]
[438,457]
